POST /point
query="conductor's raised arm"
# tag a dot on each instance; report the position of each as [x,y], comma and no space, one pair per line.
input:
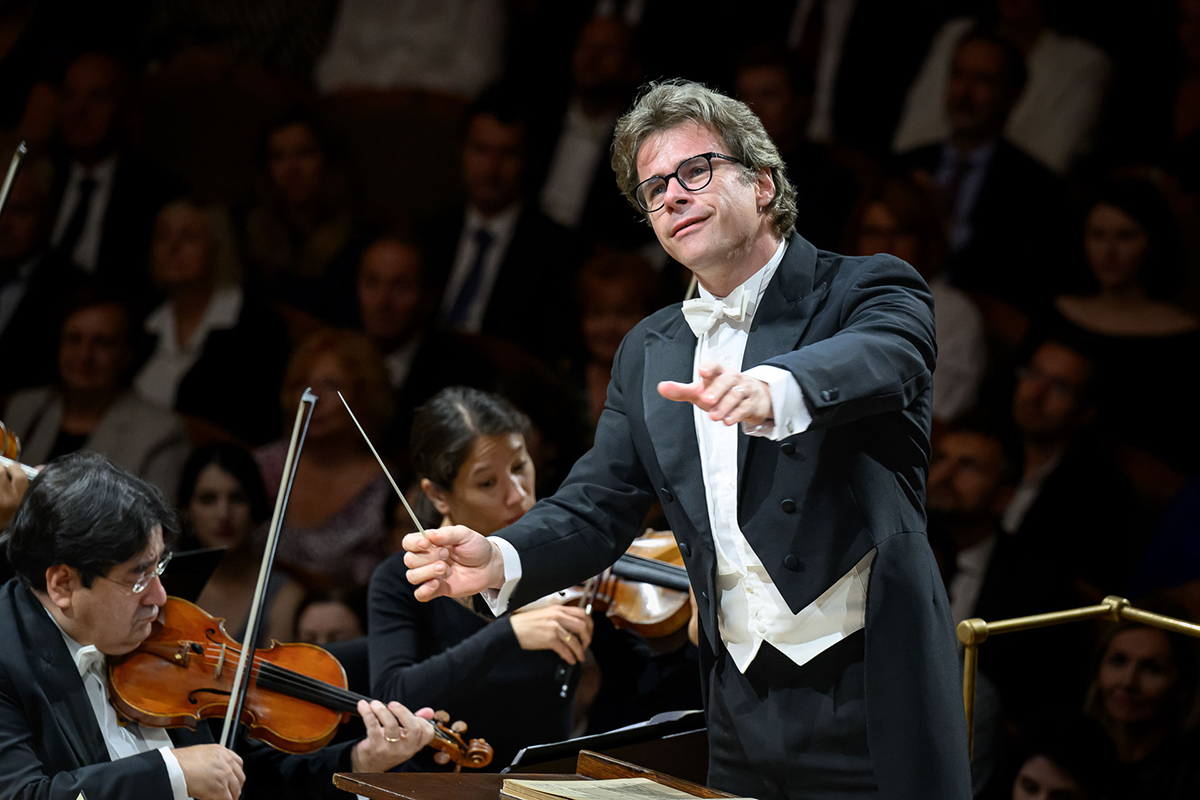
[452,562]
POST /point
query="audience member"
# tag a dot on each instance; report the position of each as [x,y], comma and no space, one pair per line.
[503,675]
[334,527]
[1144,692]
[1054,511]
[331,615]
[575,184]
[218,352]
[91,405]
[300,238]
[614,292]
[1136,335]
[33,280]
[222,501]
[1009,226]
[972,475]
[779,89]
[107,195]
[1056,118]
[449,47]
[1068,759]
[901,218]
[505,267]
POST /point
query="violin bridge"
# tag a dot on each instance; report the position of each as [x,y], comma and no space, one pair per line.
[220,663]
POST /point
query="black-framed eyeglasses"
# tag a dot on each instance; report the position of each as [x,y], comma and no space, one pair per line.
[139,586]
[693,174]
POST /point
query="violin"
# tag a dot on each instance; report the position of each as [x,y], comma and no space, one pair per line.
[295,699]
[10,451]
[645,591]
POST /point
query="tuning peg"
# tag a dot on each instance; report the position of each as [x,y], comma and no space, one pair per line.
[441,758]
[441,716]
[459,727]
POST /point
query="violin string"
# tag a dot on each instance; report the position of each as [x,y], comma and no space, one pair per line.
[308,688]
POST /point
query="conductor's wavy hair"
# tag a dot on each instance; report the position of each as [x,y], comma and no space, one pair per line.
[662,105]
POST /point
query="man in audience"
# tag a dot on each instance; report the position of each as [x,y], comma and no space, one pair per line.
[575,188]
[1071,507]
[107,195]
[88,545]
[505,267]
[1010,232]
[32,280]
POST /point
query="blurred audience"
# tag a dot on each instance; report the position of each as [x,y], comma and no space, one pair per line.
[218,352]
[300,238]
[901,218]
[107,194]
[990,187]
[91,405]
[33,280]
[1056,118]
[503,265]
[222,502]
[331,615]
[779,89]
[335,527]
[1067,759]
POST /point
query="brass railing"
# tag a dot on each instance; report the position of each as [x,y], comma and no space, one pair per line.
[974,632]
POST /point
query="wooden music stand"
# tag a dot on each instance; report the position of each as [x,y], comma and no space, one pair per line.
[486,786]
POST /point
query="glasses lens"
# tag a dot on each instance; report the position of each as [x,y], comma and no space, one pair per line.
[158,570]
[695,173]
[650,192]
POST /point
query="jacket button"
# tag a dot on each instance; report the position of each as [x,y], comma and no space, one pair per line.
[666,495]
[829,395]
[792,563]
[685,549]
[788,449]
[788,506]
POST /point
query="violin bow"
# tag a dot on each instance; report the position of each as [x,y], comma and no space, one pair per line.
[13,167]
[241,678]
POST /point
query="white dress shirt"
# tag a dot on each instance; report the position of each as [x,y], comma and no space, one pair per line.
[122,741]
[751,609]
[970,568]
[501,226]
[833,39]
[158,380]
[581,147]
[87,250]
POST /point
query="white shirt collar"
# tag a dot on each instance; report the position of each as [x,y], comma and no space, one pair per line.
[222,313]
[101,173]
[500,226]
[756,285]
[86,657]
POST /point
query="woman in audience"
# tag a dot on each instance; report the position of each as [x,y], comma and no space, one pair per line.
[91,407]
[504,676]
[218,353]
[334,527]
[1138,338]
[332,615]
[1069,759]
[1144,692]
[902,219]
[223,500]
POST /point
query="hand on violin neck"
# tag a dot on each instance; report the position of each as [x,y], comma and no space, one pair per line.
[211,771]
[727,395]
[567,630]
[394,735]
[452,562]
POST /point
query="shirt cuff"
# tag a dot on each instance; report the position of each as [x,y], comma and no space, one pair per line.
[497,600]
[175,773]
[790,414]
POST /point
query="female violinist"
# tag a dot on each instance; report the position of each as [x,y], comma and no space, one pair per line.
[469,453]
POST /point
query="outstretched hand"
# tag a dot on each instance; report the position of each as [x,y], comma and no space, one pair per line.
[452,562]
[728,396]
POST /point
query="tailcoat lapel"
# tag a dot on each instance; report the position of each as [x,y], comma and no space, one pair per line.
[670,356]
[58,675]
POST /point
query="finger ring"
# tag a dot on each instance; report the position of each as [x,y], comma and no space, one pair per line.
[739,390]
[391,740]
[567,638]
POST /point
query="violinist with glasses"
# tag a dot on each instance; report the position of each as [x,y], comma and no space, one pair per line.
[88,544]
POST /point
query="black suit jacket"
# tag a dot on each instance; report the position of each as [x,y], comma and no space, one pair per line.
[530,303]
[30,340]
[1023,230]
[857,334]
[51,747]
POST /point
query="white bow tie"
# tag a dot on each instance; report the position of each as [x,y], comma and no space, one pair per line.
[89,659]
[702,314]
